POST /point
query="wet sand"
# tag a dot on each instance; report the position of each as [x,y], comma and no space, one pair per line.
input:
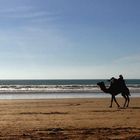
[72,119]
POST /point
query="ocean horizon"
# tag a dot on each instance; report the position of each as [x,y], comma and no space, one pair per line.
[60,86]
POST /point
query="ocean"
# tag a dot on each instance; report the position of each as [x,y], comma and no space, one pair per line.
[42,89]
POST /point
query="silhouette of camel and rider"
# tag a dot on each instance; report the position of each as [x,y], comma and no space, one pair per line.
[118,83]
[116,87]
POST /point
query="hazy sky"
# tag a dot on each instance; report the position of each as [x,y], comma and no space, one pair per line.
[74,39]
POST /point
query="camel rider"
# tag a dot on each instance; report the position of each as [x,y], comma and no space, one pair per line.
[121,82]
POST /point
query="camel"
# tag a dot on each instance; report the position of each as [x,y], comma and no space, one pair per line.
[115,90]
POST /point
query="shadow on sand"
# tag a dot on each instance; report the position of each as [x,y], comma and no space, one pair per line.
[135,107]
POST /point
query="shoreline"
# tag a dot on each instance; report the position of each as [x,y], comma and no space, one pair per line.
[69,119]
[59,96]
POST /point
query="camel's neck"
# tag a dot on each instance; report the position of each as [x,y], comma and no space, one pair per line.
[104,89]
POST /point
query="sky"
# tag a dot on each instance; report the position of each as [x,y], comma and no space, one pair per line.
[69,39]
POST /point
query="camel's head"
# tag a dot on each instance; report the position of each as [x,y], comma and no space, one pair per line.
[102,86]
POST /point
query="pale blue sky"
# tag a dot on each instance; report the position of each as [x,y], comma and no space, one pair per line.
[74,39]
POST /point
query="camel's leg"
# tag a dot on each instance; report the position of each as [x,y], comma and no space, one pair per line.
[125,100]
[116,101]
[111,101]
[128,100]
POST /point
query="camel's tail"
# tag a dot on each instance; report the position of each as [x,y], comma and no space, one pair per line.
[128,92]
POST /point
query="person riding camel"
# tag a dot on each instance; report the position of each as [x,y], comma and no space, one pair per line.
[120,82]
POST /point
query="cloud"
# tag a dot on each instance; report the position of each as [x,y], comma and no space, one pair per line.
[26,12]
[8,10]
[129,66]
[32,45]
[131,60]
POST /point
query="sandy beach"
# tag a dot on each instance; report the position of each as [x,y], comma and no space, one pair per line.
[74,119]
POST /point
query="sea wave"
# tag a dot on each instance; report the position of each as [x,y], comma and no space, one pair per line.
[59,88]
[48,88]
